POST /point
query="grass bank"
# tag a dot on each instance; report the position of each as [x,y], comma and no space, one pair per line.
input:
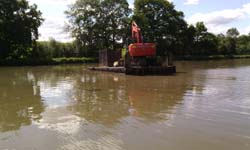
[74,60]
[213,57]
[53,61]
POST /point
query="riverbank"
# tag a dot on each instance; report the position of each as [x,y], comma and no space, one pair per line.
[212,57]
[86,60]
[53,61]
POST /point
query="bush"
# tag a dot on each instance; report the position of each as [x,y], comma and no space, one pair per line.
[73,60]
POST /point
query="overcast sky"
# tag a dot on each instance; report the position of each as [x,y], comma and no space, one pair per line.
[218,15]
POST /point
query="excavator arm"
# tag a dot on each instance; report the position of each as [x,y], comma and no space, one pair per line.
[136,33]
[139,48]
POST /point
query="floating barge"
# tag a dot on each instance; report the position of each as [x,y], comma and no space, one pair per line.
[108,57]
[151,70]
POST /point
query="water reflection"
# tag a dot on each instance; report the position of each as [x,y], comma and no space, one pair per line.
[61,98]
[106,98]
[91,105]
[69,107]
[20,101]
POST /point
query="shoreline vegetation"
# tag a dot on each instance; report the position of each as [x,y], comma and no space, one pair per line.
[53,61]
[211,57]
[85,60]
[20,21]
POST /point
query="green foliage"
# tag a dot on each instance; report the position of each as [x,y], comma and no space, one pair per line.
[231,43]
[19,24]
[243,44]
[212,57]
[98,24]
[74,60]
[233,33]
[205,43]
[54,49]
[105,24]
[160,23]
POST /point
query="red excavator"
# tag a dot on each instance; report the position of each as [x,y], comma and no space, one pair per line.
[139,51]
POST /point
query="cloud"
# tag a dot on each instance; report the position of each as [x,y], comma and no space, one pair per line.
[219,21]
[191,2]
[54,28]
[131,3]
[246,8]
[245,30]
[53,13]
[218,17]
[52,2]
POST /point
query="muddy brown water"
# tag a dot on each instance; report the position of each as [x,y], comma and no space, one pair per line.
[205,106]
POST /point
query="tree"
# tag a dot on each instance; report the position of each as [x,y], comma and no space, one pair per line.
[233,33]
[203,41]
[222,48]
[19,24]
[243,44]
[55,48]
[188,41]
[97,24]
[209,44]
[160,23]
[114,21]
[200,31]
[82,17]
[231,40]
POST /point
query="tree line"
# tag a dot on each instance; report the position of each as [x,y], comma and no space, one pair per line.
[19,24]
[106,24]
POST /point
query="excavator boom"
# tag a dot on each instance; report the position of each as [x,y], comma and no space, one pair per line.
[140,49]
[136,33]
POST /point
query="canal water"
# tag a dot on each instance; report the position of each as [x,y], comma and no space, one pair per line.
[205,106]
